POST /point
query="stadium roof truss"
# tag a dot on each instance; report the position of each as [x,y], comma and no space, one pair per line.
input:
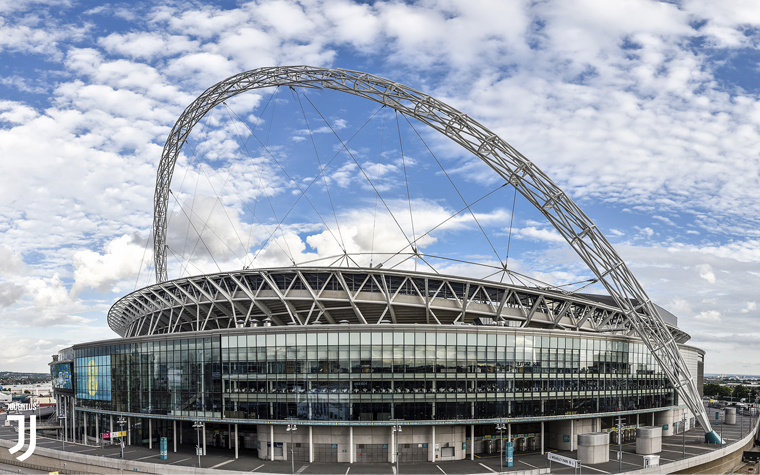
[566,217]
[308,296]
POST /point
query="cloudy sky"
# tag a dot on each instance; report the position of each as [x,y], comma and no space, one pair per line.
[647,113]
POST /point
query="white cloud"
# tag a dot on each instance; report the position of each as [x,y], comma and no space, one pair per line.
[122,259]
[640,118]
[540,234]
[708,316]
[706,272]
[10,263]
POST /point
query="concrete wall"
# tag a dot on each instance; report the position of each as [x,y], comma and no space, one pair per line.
[449,436]
[556,431]
[719,461]
[664,418]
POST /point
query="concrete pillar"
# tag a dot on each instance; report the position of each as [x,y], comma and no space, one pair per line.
[271,442]
[150,434]
[542,438]
[572,434]
[350,444]
[472,441]
[204,439]
[311,442]
[73,422]
[174,438]
[236,442]
[129,431]
[432,444]
[392,446]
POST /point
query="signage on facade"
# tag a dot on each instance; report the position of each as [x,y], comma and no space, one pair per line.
[113,435]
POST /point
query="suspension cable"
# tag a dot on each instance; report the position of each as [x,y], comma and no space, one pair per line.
[145,251]
[509,239]
[253,213]
[377,179]
[451,217]
[303,194]
[343,146]
[440,165]
[363,172]
[196,231]
[319,162]
[406,179]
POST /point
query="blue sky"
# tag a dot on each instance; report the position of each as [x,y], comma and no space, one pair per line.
[646,113]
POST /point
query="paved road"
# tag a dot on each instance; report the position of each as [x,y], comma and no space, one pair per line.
[223,459]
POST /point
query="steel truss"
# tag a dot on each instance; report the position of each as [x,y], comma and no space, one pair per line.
[566,217]
[309,296]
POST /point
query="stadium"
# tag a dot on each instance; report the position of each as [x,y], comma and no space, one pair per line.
[377,363]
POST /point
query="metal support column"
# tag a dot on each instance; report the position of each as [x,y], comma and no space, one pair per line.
[204,439]
[150,433]
[111,427]
[350,443]
[271,442]
[236,441]
[129,431]
[174,437]
[84,435]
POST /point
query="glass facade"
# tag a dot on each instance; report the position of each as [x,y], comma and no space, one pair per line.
[93,371]
[372,374]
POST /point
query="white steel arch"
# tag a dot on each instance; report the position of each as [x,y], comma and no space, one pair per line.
[566,217]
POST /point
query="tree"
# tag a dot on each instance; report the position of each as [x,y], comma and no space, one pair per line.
[740,391]
[712,389]
[717,390]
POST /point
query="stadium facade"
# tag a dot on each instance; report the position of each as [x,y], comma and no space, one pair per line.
[352,364]
[347,354]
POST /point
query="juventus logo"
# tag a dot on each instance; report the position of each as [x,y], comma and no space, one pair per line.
[21,436]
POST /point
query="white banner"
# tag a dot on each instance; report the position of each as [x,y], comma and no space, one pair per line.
[563,460]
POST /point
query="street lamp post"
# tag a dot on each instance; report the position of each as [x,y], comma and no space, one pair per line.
[291,428]
[397,433]
[198,426]
[620,444]
[63,439]
[121,423]
[683,431]
[501,427]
